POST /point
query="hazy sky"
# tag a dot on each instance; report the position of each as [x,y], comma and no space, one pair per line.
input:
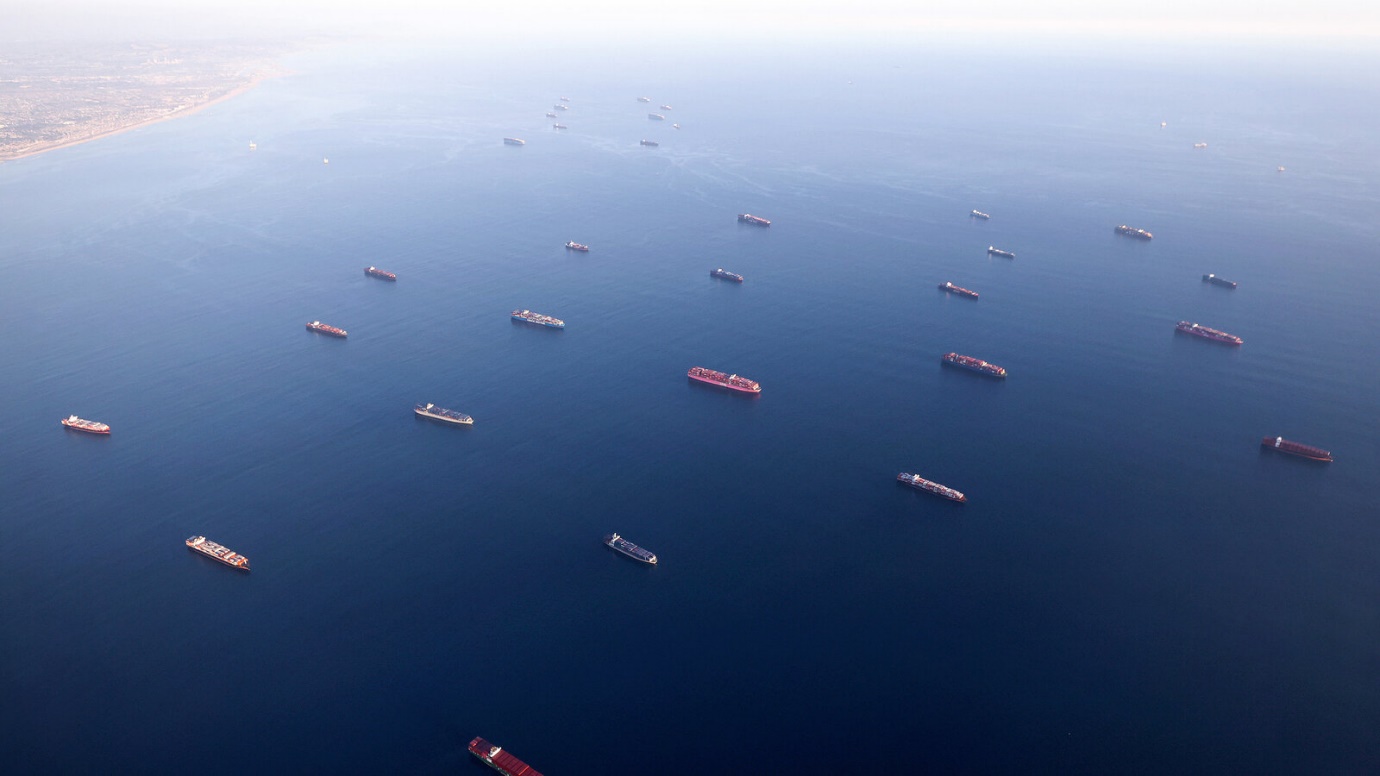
[54,18]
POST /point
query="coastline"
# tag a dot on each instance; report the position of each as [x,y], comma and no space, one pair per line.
[41,148]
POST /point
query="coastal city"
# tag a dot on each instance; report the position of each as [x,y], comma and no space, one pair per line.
[50,98]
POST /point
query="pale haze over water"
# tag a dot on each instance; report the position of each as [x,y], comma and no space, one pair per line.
[1134,584]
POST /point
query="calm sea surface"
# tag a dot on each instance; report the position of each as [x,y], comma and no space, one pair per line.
[1133,586]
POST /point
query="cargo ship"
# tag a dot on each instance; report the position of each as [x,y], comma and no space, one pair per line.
[732,382]
[999,252]
[528,316]
[629,549]
[726,275]
[381,274]
[1198,330]
[650,143]
[514,141]
[574,246]
[974,364]
[565,99]
[561,107]
[432,412]
[218,552]
[550,115]
[559,125]
[1295,448]
[321,328]
[1216,281]
[644,99]
[978,214]
[749,218]
[499,760]
[89,426]
[1200,145]
[920,483]
[1131,231]
[656,117]
[665,107]
[960,290]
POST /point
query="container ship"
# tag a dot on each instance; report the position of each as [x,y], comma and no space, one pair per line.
[978,214]
[1129,231]
[432,412]
[656,117]
[1198,330]
[726,275]
[920,483]
[749,218]
[499,760]
[514,141]
[629,549]
[574,246]
[217,552]
[732,382]
[381,274]
[1295,448]
[321,328]
[541,320]
[1216,281]
[89,426]
[960,290]
[999,252]
[650,143]
[974,364]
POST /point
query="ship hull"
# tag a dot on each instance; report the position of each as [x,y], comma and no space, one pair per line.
[95,431]
[725,386]
[380,274]
[1211,335]
[1307,452]
[983,368]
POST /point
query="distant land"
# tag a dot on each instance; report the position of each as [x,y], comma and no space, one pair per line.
[57,96]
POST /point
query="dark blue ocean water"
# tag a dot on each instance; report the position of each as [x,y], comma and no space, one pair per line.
[1134,586]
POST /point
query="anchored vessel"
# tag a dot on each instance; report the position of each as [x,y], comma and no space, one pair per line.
[644,99]
[1198,330]
[559,125]
[631,550]
[514,141]
[999,252]
[1129,231]
[979,214]
[539,319]
[732,382]
[574,246]
[321,328]
[499,760]
[960,290]
[89,426]
[665,107]
[749,218]
[974,364]
[218,552]
[726,275]
[442,414]
[656,117]
[920,483]
[561,107]
[1216,281]
[1295,448]
[565,99]
[550,115]
[650,143]
[378,273]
